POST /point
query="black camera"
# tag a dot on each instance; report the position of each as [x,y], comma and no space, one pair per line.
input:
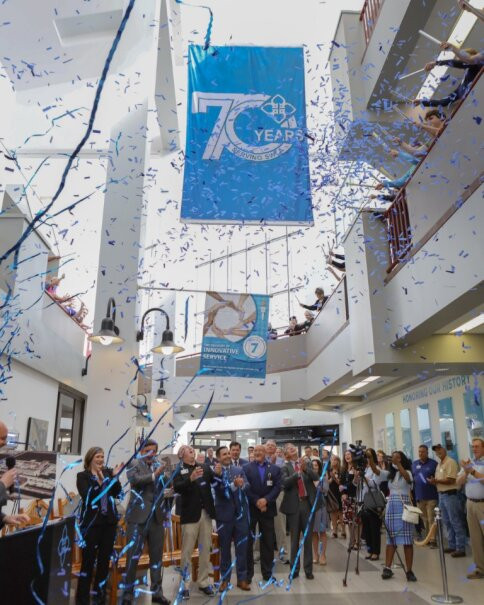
[358,453]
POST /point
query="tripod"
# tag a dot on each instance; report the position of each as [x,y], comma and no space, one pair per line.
[356,523]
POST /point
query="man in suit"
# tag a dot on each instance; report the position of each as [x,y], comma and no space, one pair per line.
[263,487]
[144,518]
[197,510]
[235,449]
[210,459]
[297,479]
[280,520]
[232,515]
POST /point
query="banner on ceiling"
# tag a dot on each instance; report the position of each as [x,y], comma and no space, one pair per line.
[235,335]
[246,156]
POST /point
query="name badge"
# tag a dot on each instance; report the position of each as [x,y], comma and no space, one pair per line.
[184,471]
[269,483]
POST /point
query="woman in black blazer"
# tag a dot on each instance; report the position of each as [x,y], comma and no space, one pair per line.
[98,522]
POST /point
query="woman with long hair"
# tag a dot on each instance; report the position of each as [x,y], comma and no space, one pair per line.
[335,505]
[373,504]
[320,525]
[399,532]
[348,494]
[98,522]
[383,465]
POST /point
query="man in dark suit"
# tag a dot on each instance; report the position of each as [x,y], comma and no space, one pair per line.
[144,518]
[297,479]
[193,483]
[232,515]
[263,487]
[210,459]
[235,459]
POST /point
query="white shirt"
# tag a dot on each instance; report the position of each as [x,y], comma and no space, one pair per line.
[373,479]
[475,487]
[399,486]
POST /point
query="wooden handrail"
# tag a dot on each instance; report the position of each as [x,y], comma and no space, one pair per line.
[369,16]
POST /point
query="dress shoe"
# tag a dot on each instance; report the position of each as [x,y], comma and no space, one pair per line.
[223,586]
[310,576]
[208,590]
[411,576]
[287,562]
[449,550]
[458,553]
[185,594]
[475,575]
[159,598]
[243,585]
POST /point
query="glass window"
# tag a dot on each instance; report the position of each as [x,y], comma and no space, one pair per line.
[447,427]
[247,439]
[423,420]
[406,433]
[474,414]
[68,424]
[390,432]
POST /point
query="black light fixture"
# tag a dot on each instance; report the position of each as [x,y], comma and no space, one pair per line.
[167,345]
[142,409]
[109,332]
[84,369]
[161,393]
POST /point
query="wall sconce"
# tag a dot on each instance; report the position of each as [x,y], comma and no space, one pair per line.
[142,409]
[84,369]
[109,332]
[167,346]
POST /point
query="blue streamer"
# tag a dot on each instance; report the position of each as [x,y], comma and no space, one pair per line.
[186,318]
[102,80]
[208,33]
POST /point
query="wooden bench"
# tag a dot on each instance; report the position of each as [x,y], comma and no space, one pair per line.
[171,556]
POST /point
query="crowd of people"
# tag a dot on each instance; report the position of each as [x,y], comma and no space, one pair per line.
[264,505]
[71,304]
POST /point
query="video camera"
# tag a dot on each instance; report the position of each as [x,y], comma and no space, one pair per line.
[358,453]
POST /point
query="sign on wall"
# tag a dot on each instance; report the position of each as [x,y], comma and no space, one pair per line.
[235,335]
[246,154]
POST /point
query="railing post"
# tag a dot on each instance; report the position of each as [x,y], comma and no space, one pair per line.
[446,597]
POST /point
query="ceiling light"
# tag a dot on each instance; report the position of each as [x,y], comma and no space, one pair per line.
[196,405]
[359,385]
[471,324]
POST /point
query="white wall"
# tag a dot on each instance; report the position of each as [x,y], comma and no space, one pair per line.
[427,392]
[29,393]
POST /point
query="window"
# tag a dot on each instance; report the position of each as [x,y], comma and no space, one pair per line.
[406,433]
[423,419]
[69,420]
[390,432]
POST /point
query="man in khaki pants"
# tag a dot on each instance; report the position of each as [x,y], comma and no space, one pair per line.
[473,479]
[193,483]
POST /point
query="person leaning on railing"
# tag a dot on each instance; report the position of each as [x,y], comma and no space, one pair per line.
[469,59]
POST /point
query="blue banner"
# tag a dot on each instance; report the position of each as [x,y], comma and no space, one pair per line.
[235,335]
[246,154]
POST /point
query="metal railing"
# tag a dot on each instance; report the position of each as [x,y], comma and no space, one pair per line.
[369,16]
[398,230]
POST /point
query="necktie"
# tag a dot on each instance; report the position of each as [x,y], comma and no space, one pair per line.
[301,488]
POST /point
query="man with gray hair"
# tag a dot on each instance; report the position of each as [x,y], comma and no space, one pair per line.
[193,483]
[280,519]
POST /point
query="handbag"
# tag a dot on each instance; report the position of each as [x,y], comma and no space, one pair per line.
[374,500]
[332,504]
[410,514]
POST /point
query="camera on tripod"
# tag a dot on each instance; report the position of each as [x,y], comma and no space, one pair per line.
[358,454]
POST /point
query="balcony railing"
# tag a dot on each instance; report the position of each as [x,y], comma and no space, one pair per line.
[397,216]
[369,15]
[398,229]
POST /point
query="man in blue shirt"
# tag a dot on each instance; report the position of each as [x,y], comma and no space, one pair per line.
[425,493]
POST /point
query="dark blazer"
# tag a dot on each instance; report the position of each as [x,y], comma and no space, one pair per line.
[256,489]
[195,495]
[89,488]
[212,462]
[145,493]
[289,479]
[230,501]
[3,501]
[241,462]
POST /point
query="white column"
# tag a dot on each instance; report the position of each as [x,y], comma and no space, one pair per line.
[111,368]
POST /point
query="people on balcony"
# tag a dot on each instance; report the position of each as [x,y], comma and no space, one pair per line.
[468,59]
[67,302]
[292,329]
[271,332]
[306,324]
[319,303]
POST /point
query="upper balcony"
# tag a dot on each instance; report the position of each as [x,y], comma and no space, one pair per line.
[35,329]
[372,50]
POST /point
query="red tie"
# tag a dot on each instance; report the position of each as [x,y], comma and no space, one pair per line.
[301,488]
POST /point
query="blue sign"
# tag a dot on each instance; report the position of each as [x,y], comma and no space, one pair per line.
[246,156]
[235,335]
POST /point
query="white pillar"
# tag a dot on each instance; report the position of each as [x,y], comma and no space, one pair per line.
[111,368]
